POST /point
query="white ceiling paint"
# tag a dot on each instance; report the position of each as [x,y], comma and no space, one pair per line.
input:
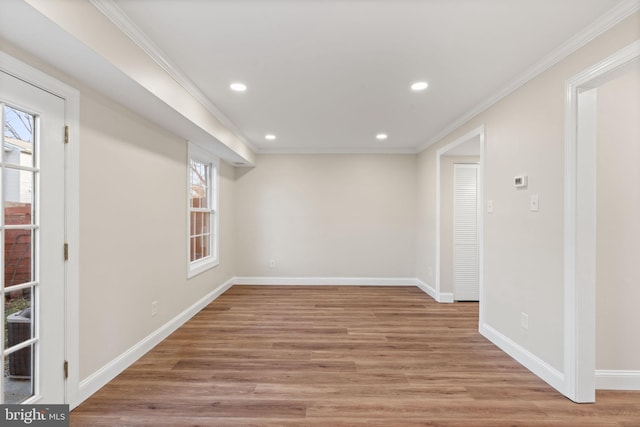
[327,76]
[31,31]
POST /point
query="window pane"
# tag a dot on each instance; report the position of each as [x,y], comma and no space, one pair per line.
[18,188]
[192,224]
[202,246]
[19,128]
[199,178]
[206,223]
[17,322]
[192,246]
[18,378]
[203,222]
[198,224]
[18,257]
[203,176]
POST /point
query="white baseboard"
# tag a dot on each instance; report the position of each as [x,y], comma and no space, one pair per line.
[426,288]
[529,360]
[326,281]
[100,378]
[617,380]
[444,297]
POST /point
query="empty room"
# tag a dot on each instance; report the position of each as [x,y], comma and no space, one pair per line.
[320,213]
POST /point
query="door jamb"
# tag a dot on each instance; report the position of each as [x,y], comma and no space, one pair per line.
[478,132]
[579,220]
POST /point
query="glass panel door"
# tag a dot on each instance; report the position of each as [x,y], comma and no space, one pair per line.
[31,244]
[17,252]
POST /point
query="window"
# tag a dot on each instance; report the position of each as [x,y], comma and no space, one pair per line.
[202,211]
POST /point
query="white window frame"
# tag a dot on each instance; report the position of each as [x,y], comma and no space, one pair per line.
[199,154]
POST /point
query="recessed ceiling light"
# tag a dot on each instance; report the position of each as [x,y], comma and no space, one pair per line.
[417,86]
[382,136]
[270,136]
[238,87]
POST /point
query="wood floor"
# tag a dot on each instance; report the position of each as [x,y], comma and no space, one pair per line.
[337,356]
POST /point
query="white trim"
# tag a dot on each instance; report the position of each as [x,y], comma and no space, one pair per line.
[523,356]
[618,380]
[427,289]
[601,25]
[337,150]
[108,372]
[579,220]
[71,98]
[326,281]
[479,133]
[121,20]
[445,297]
[442,297]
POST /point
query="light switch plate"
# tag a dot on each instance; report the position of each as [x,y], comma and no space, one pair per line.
[490,206]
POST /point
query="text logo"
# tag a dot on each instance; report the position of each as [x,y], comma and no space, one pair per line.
[35,415]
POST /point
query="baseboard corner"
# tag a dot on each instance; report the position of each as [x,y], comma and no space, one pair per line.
[617,380]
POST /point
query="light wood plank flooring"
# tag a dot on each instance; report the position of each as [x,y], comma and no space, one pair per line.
[337,356]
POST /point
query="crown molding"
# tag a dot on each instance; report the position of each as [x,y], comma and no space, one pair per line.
[614,16]
[125,24]
[596,28]
[316,150]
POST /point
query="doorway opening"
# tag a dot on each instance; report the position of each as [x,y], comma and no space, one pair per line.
[468,149]
[580,220]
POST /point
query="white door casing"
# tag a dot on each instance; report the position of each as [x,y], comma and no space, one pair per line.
[580,222]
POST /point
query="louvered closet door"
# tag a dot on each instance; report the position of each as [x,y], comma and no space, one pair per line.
[465,232]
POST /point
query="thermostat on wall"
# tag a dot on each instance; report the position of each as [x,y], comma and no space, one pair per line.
[521,181]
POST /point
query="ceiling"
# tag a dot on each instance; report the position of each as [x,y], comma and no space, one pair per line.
[327,76]
[322,75]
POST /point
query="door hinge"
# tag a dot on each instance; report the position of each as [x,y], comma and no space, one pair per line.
[66,251]
[66,369]
[66,134]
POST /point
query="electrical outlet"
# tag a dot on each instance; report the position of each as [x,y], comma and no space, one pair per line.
[154,308]
[534,205]
[272,263]
[430,271]
[524,320]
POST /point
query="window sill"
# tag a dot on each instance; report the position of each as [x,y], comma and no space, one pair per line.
[199,267]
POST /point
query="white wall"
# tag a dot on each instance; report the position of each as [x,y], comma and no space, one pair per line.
[133,224]
[320,215]
[618,226]
[523,249]
[446,218]
[327,216]
[133,228]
